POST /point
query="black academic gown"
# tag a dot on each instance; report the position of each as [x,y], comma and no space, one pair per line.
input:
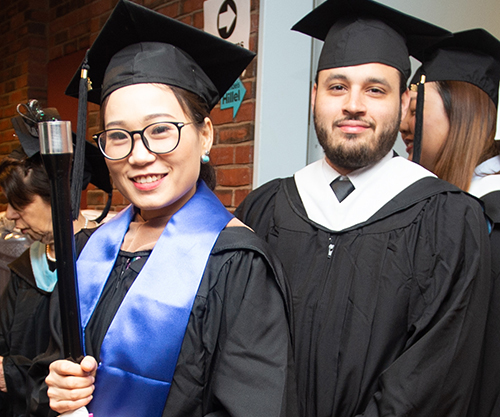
[236,351]
[24,332]
[486,398]
[389,314]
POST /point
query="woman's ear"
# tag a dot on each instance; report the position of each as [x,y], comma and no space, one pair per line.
[207,135]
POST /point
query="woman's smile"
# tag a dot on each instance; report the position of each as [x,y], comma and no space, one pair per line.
[148,182]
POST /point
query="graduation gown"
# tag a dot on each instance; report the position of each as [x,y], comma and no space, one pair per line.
[486,399]
[236,351]
[388,312]
[24,332]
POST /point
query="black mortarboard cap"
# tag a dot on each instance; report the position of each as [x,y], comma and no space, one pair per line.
[95,172]
[471,56]
[26,127]
[138,45]
[358,32]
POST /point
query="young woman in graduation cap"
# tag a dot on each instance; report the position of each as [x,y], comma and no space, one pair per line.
[182,307]
[450,130]
[459,115]
[25,304]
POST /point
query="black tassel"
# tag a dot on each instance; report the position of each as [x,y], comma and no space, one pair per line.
[79,150]
[105,211]
[419,121]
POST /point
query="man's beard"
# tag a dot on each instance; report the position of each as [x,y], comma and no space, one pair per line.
[352,158]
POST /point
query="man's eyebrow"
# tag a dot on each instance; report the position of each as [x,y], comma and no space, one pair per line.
[335,76]
[375,80]
[370,80]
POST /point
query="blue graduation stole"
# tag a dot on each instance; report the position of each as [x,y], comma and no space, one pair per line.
[140,350]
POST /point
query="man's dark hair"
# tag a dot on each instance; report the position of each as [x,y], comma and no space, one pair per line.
[402,83]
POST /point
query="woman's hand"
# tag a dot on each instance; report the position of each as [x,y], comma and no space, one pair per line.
[70,385]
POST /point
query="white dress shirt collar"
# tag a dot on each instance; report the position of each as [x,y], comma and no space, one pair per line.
[375,185]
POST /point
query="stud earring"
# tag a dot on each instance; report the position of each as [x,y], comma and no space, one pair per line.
[205,159]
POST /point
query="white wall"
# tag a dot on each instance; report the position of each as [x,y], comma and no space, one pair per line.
[454,15]
[283,73]
[285,67]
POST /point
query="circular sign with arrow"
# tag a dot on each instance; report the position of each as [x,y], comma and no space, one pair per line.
[226,19]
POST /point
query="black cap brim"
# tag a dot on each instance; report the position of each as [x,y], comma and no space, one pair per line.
[26,127]
[96,171]
[28,136]
[471,56]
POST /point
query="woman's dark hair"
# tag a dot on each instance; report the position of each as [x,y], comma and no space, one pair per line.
[471,139]
[23,179]
[196,109]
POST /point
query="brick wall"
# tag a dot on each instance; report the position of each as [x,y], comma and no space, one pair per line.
[24,52]
[36,34]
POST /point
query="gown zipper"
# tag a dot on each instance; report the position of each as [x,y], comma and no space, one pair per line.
[331,246]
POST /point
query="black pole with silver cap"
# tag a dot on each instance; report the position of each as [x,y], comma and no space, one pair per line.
[56,148]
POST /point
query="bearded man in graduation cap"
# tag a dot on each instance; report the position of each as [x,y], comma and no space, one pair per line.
[388,265]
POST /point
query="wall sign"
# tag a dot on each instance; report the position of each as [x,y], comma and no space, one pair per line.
[229,20]
[234,97]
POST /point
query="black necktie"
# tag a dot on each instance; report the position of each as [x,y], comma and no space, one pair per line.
[342,187]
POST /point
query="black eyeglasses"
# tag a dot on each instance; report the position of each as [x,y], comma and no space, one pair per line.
[158,138]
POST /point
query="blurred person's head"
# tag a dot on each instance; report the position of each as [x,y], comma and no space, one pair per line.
[26,186]
[459,124]
[454,103]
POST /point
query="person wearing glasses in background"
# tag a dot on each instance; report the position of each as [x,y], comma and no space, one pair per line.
[25,304]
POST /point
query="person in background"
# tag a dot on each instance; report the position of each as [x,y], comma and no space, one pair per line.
[25,304]
[388,265]
[460,107]
[183,308]
[457,141]
[12,245]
